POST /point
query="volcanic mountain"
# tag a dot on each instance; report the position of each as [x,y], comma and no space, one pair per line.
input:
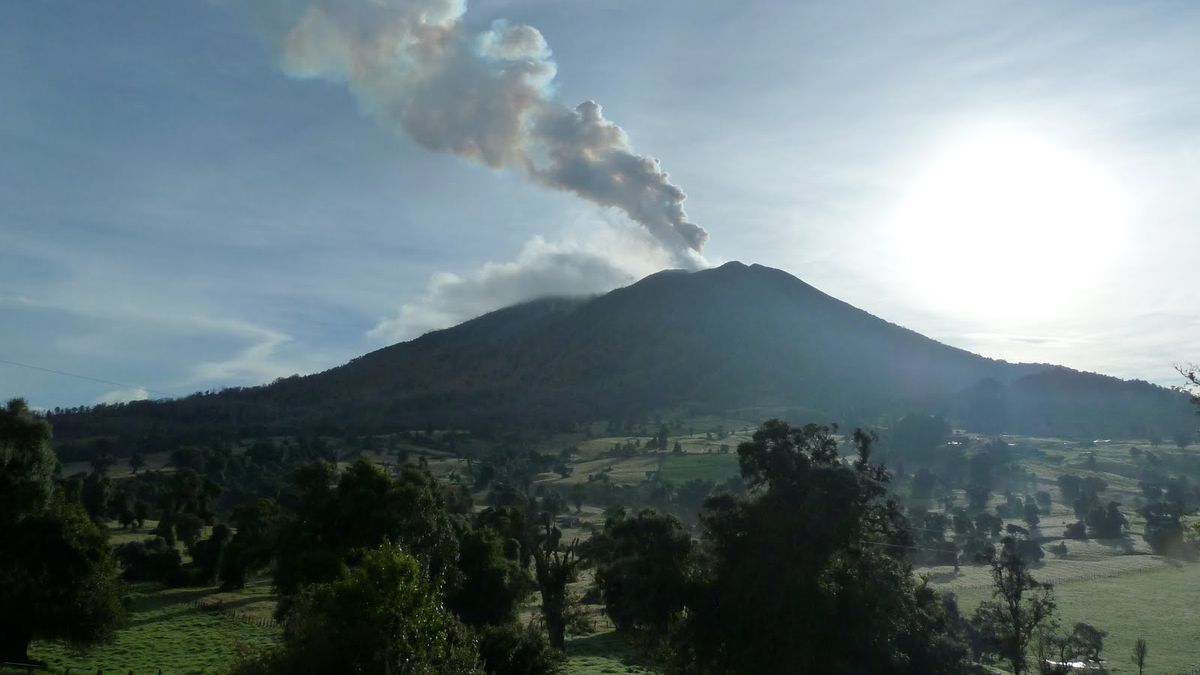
[736,337]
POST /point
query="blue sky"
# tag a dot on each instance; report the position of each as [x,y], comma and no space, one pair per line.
[182,210]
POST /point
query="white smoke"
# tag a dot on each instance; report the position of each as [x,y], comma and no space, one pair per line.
[485,97]
[569,268]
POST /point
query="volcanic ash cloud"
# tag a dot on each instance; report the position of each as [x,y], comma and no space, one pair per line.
[485,97]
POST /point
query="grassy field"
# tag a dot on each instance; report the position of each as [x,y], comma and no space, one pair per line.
[1159,605]
[602,653]
[165,632]
[1116,585]
[714,467]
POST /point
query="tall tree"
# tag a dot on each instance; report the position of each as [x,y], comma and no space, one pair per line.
[1140,651]
[493,583]
[555,565]
[643,568]
[1020,604]
[58,578]
[807,573]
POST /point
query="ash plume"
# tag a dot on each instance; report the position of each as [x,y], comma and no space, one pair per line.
[414,66]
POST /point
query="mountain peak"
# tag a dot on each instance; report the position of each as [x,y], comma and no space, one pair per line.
[733,337]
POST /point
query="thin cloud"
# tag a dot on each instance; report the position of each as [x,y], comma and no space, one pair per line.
[541,269]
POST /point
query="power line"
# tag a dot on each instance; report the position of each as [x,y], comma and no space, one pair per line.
[84,377]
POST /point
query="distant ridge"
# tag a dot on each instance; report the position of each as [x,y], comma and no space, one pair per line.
[731,337]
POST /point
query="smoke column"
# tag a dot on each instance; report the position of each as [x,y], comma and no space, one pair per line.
[485,97]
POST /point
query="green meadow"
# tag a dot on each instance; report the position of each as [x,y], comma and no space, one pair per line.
[166,632]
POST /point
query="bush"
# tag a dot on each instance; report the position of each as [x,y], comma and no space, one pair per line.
[150,560]
[384,616]
[509,649]
[1076,530]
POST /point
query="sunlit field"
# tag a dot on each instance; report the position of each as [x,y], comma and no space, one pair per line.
[166,631]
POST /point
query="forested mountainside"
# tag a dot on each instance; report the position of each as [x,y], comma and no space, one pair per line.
[735,337]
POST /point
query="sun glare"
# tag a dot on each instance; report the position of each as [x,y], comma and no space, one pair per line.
[1008,225]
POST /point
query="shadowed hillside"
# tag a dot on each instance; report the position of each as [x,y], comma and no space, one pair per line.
[733,337]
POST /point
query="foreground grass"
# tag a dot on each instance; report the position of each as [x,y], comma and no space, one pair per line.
[163,632]
[1159,605]
[605,653]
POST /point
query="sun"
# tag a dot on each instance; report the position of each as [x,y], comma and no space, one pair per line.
[1008,225]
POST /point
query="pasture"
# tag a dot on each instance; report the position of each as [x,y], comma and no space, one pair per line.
[1116,585]
[602,654]
[1158,604]
[714,467]
[167,632]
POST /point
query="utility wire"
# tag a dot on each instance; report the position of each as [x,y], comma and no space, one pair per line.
[84,377]
[907,548]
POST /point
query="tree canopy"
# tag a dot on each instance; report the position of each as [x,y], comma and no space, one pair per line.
[807,573]
[383,616]
[58,577]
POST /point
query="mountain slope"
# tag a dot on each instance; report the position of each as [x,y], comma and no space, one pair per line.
[732,337]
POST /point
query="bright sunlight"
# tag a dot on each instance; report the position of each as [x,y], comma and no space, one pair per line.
[1002,223]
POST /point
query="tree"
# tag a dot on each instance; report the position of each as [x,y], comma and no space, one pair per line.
[141,511]
[1088,641]
[1107,522]
[102,460]
[493,583]
[1164,527]
[1140,651]
[577,496]
[1031,512]
[977,497]
[989,523]
[807,572]
[331,515]
[385,616]
[1020,605]
[1069,486]
[188,527]
[510,649]
[253,546]
[150,560]
[96,495]
[555,566]
[207,554]
[1043,500]
[136,461]
[1056,653]
[643,569]
[58,578]
[1076,530]
[916,435]
[1183,437]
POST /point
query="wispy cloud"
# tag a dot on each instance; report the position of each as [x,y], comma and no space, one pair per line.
[125,395]
[610,257]
[259,362]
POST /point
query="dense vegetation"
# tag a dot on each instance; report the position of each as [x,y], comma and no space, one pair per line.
[792,552]
[803,563]
[57,573]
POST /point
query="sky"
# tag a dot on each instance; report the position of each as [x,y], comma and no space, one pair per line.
[196,195]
